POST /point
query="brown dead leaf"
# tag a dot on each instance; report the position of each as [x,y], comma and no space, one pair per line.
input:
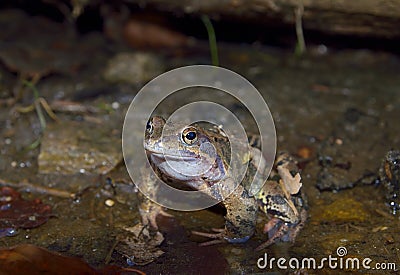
[16,212]
[140,245]
[30,259]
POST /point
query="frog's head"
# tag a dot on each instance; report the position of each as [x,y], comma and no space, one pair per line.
[183,152]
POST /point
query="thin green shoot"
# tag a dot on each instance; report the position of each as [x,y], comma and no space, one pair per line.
[211,39]
[301,44]
[34,144]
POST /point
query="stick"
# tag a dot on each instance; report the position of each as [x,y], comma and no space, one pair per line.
[34,188]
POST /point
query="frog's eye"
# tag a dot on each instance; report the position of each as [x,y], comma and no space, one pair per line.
[149,127]
[189,135]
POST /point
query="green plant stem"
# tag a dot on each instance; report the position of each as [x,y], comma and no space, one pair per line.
[211,39]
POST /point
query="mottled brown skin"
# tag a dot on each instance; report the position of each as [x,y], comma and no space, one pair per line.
[286,220]
[240,206]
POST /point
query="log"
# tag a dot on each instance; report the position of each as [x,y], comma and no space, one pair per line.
[366,18]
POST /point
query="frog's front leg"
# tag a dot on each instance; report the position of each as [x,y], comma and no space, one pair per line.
[148,209]
[240,219]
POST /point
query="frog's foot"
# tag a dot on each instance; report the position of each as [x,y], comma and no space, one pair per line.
[269,226]
[150,213]
[276,230]
[219,237]
[280,230]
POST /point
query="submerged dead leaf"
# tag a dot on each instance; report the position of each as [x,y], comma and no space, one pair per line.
[16,212]
[144,32]
[30,259]
[140,245]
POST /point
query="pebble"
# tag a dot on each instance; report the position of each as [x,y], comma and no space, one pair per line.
[133,68]
[109,203]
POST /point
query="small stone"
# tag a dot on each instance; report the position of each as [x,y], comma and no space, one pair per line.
[78,147]
[339,141]
[133,68]
[109,203]
[115,105]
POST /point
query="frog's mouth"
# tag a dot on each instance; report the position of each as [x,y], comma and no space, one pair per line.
[173,157]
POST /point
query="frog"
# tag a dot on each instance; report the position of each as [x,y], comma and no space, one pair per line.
[389,176]
[280,197]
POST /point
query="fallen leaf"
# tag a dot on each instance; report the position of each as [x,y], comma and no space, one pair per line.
[16,212]
[140,245]
[30,259]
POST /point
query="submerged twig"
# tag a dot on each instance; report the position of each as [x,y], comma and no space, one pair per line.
[359,228]
[34,188]
[72,107]
[384,214]
[107,260]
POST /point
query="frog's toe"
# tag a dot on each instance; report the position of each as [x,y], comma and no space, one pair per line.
[220,233]
[165,214]
[218,236]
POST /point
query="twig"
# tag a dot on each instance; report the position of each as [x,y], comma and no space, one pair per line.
[109,254]
[39,189]
[384,214]
[359,228]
